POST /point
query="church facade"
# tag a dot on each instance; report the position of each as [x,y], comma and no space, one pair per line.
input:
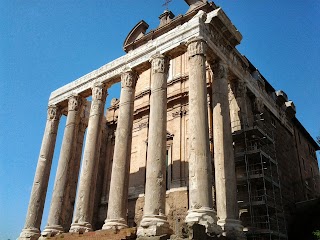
[198,136]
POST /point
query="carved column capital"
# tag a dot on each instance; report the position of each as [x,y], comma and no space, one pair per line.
[74,103]
[98,92]
[159,63]
[54,112]
[258,105]
[241,88]
[196,46]
[220,69]
[128,79]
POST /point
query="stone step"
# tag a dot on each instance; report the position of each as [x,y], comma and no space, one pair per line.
[123,234]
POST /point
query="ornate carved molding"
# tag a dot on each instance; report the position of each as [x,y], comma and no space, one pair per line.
[217,38]
[99,92]
[180,113]
[196,46]
[143,125]
[220,70]
[54,112]
[159,63]
[128,79]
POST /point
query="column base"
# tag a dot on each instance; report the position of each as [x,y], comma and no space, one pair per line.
[51,231]
[232,229]
[114,224]
[29,234]
[205,217]
[153,225]
[81,227]
[162,237]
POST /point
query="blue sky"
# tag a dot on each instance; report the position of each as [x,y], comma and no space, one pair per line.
[47,44]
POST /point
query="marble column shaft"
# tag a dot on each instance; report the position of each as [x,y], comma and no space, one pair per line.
[40,185]
[74,173]
[154,222]
[237,91]
[225,178]
[118,195]
[54,225]
[200,168]
[86,190]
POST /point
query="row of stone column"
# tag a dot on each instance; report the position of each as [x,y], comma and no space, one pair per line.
[154,221]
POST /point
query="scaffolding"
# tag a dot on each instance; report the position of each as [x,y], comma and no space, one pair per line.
[258,185]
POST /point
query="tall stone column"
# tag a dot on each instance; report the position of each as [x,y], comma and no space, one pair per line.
[31,229]
[68,147]
[225,177]
[86,191]
[154,222]
[200,169]
[74,171]
[118,195]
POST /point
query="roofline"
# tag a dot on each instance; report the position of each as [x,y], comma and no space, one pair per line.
[306,133]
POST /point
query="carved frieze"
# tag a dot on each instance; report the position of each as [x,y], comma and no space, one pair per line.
[225,48]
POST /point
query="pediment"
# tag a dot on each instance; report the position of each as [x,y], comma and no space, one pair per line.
[136,33]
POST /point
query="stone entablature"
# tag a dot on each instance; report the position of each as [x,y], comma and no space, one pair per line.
[200,25]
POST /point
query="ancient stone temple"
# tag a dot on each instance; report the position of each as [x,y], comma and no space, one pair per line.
[199,145]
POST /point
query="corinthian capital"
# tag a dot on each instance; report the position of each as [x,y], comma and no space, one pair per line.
[258,105]
[220,70]
[74,102]
[98,92]
[241,88]
[159,63]
[128,79]
[53,112]
[196,46]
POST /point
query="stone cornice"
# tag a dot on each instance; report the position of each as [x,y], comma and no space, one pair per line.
[221,20]
[238,65]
